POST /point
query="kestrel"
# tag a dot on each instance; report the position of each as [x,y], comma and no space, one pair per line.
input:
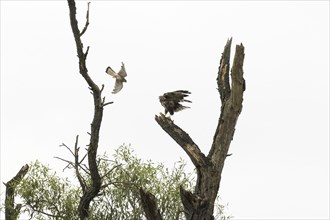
[120,77]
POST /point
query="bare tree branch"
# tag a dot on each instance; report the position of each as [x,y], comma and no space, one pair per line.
[11,211]
[238,82]
[107,103]
[223,73]
[87,22]
[77,163]
[64,145]
[82,61]
[86,53]
[112,169]
[69,163]
[230,110]
[183,139]
[93,189]
[82,159]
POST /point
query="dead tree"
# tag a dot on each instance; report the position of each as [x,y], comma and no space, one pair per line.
[199,205]
[91,187]
[11,211]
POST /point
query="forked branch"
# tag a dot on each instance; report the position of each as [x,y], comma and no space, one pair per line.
[92,190]
[200,203]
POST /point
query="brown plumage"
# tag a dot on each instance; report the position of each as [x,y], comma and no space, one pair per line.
[171,101]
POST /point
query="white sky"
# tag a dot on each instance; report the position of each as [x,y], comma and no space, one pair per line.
[280,163]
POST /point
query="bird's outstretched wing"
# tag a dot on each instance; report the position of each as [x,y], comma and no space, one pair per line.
[118,86]
[177,96]
[122,71]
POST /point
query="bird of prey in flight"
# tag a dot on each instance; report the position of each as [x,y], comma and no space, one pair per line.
[120,77]
[171,101]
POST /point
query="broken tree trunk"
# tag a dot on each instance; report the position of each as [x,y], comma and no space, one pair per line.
[149,205]
[11,211]
[199,205]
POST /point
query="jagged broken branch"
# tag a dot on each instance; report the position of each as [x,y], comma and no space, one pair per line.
[183,139]
[12,211]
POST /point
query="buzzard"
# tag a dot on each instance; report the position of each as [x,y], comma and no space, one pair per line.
[171,101]
[120,77]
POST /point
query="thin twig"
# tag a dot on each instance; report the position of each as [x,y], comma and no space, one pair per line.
[83,158]
[64,145]
[69,165]
[85,168]
[86,53]
[87,20]
[110,171]
[77,165]
[108,103]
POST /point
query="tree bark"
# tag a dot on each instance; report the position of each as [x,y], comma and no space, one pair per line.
[11,211]
[199,205]
[149,205]
[92,189]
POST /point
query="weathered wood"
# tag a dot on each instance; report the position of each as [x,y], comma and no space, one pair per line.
[183,139]
[149,205]
[92,190]
[223,72]
[199,205]
[11,211]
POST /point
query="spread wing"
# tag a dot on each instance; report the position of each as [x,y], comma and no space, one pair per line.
[118,86]
[122,71]
[120,77]
[171,101]
[177,96]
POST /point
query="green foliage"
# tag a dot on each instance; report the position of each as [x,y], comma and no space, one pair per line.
[44,195]
[129,175]
[220,213]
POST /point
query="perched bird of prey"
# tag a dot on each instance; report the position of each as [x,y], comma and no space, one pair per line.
[120,77]
[171,101]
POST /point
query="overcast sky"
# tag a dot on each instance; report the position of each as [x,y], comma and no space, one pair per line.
[280,163]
